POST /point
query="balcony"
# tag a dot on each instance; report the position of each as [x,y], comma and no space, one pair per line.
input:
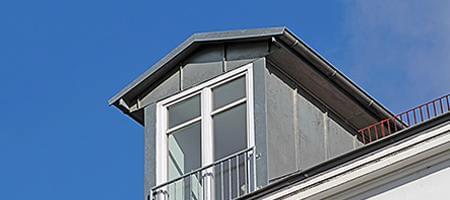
[227,178]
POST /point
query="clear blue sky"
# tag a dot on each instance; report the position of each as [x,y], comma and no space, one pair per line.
[61,60]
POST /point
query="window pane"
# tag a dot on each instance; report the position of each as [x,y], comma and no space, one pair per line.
[230,131]
[229,92]
[184,150]
[184,111]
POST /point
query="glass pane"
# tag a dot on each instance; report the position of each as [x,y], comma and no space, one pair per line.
[184,157]
[184,111]
[230,131]
[184,150]
[188,188]
[229,92]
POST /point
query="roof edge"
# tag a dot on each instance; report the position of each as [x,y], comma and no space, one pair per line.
[338,77]
[127,94]
[198,38]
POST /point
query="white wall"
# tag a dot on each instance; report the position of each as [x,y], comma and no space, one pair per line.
[430,183]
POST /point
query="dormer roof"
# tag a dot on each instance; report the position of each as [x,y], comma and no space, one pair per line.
[129,94]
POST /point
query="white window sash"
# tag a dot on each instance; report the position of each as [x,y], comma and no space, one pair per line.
[204,90]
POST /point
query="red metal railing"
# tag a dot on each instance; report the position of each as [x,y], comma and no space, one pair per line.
[406,119]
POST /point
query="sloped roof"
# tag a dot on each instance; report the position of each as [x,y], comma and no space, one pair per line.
[130,93]
[187,46]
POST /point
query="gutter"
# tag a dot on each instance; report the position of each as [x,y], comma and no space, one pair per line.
[330,71]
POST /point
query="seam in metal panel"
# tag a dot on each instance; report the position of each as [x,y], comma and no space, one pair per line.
[296,136]
[315,98]
[224,66]
[325,132]
[269,45]
[224,58]
[340,77]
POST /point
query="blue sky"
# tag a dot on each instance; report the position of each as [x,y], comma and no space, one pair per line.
[60,61]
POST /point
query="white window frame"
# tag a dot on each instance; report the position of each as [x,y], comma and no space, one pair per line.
[206,118]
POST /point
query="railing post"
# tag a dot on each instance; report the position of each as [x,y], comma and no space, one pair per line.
[208,181]
[253,168]
[160,195]
[448,103]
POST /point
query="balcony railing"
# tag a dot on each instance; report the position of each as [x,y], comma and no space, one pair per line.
[227,178]
[406,119]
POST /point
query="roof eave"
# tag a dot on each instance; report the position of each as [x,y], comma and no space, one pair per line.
[198,38]
[157,71]
[336,76]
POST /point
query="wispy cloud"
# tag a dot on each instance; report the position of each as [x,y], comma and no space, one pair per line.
[400,49]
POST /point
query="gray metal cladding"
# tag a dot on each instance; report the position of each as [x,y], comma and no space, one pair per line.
[150,149]
[206,54]
[260,117]
[248,50]
[311,133]
[300,132]
[281,137]
[338,141]
[193,74]
[203,64]
[233,64]
[166,88]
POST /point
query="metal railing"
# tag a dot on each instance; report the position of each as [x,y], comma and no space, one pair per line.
[406,119]
[227,178]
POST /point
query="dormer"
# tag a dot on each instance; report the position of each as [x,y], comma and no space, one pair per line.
[226,113]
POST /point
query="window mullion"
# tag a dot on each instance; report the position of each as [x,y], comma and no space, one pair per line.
[161,144]
[207,137]
[207,142]
[250,104]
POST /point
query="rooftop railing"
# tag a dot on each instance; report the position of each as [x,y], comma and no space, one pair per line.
[404,120]
[227,178]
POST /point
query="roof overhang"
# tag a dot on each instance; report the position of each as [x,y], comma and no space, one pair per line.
[127,97]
